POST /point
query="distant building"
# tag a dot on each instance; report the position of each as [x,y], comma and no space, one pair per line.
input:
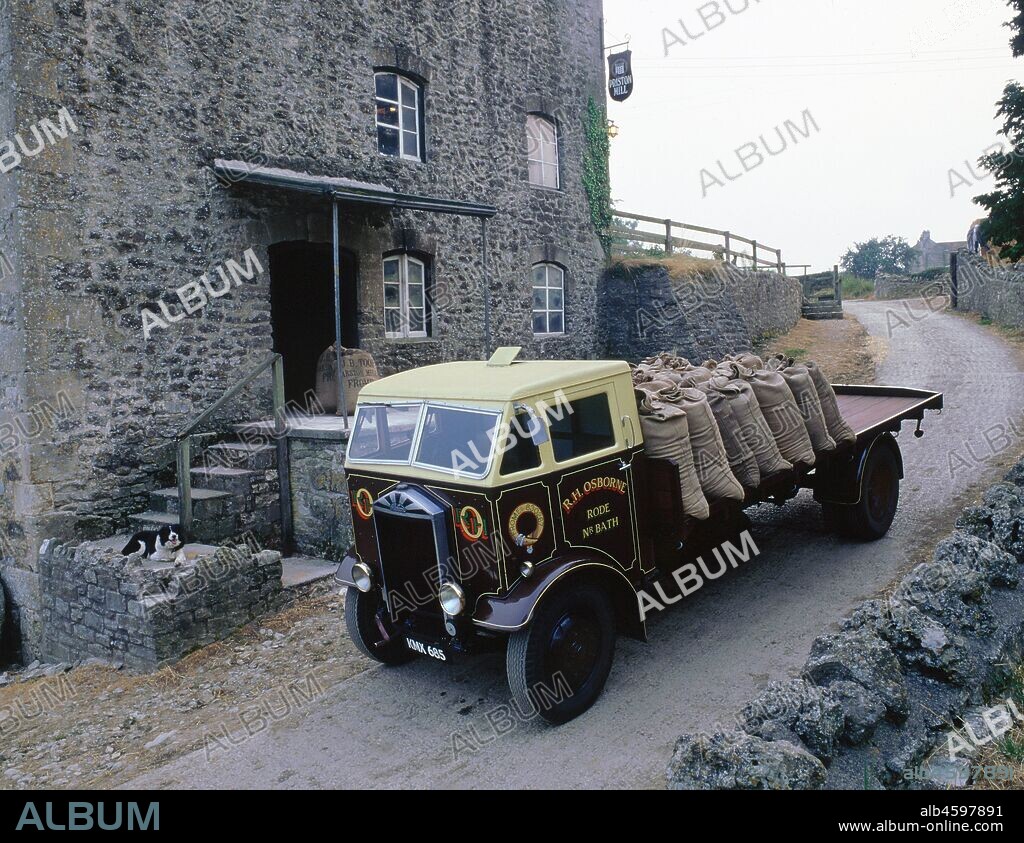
[932,255]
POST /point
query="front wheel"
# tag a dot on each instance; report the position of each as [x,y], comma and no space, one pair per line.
[871,518]
[558,665]
[371,631]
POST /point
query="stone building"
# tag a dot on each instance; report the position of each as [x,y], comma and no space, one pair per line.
[932,255]
[140,279]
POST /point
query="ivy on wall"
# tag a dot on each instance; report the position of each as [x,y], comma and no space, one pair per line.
[596,179]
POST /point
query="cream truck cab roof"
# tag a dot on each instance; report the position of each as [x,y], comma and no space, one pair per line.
[500,382]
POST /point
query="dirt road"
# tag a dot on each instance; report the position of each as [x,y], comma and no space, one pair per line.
[707,656]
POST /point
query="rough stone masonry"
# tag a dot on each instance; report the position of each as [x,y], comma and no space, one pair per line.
[112,219]
[98,603]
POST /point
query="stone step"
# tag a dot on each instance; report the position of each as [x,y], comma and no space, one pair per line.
[206,503]
[153,520]
[240,455]
[203,529]
[237,481]
[298,571]
[818,317]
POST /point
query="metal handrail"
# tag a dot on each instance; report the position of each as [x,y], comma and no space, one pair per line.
[184,438]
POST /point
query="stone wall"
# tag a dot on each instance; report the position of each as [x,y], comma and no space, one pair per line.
[321,509]
[995,292]
[98,603]
[768,302]
[903,674]
[910,286]
[116,216]
[21,619]
[647,307]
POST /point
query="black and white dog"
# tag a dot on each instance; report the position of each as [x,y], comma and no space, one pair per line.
[158,545]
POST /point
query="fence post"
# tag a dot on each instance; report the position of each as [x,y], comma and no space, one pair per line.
[668,237]
[755,255]
[954,280]
[779,264]
[785,271]
[728,247]
[837,285]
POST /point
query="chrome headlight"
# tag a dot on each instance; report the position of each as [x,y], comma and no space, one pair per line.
[362,577]
[453,599]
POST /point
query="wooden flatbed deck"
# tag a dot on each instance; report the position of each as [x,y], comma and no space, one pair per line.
[872,409]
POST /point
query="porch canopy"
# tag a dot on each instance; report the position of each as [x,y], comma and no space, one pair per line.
[337,190]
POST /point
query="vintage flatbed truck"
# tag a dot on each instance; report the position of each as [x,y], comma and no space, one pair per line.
[511,504]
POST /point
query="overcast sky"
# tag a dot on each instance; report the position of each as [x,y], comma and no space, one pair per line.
[902,92]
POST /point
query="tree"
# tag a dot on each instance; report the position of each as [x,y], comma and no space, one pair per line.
[1005,204]
[893,255]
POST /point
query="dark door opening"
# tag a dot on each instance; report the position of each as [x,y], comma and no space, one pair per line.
[302,309]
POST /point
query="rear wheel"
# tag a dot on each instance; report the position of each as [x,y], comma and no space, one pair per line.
[871,518]
[371,631]
[558,665]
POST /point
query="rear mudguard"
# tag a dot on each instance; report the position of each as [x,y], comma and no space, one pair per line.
[843,482]
[515,609]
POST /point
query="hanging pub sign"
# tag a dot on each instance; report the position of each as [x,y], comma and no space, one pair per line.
[620,75]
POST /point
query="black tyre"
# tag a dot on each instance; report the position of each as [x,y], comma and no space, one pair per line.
[870,519]
[369,628]
[558,665]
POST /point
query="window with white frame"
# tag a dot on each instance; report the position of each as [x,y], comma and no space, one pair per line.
[542,151]
[398,116]
[405,297]
[548,299]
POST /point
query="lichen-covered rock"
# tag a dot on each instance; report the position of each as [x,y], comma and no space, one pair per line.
[999,519]
[989,558]
[1016,475]
[955,595]
[918,640]
[796,709]
[861,656]
[862,711]
[3,614]
[738,761]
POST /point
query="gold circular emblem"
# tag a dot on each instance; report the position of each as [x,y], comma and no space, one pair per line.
[471,523]
[364,504]
[518,536]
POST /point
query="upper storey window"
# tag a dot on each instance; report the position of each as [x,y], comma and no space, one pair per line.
[399,116]
[542,151]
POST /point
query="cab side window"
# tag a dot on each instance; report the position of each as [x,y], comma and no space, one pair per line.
[524,454]
[580,427]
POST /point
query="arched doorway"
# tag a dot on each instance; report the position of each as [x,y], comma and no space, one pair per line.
[302,309]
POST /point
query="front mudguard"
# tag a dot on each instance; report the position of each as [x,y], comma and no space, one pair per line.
[515,609]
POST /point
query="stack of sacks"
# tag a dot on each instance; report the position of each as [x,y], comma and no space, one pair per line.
[744,419]
[667,437]
[779,408]
[798,379]
[710,457]
[752,427]
[838,429]
[742,460]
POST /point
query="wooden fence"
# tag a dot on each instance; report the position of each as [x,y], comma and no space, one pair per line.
[729,249]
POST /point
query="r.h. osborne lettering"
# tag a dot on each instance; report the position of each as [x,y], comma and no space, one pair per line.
[598,484]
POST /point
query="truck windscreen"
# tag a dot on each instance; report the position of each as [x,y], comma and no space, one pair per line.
[384,433]
[457,440]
